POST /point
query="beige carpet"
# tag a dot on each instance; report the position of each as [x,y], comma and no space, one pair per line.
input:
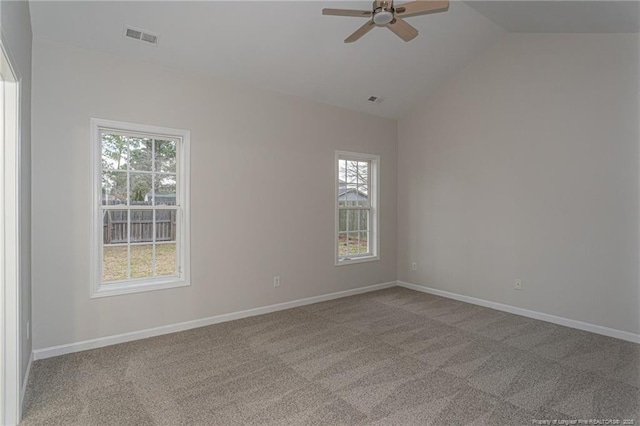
[391,357]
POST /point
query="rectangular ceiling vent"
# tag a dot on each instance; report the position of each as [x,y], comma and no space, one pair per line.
[140,35]
[375,99]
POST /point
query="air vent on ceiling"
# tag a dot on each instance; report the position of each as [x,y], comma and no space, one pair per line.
[375,99]
[140,35]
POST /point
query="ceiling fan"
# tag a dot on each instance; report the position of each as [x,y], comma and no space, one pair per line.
[384,14]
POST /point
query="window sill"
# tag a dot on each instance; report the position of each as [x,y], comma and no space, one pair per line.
[357,260]
[128,287]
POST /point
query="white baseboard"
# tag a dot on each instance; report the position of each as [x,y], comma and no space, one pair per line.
[23,389]
[606,331]
[173,328]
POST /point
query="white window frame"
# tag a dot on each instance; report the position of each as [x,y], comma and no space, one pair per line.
[137,285]
[374,196]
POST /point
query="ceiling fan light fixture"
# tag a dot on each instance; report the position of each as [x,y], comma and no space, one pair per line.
[383,17]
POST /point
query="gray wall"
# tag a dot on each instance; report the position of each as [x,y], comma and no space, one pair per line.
[525,166]
[246,145]
[15,23]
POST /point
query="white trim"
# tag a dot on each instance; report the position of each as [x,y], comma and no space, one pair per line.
[374,236]
[598,329]
[25,382]
[97,289]
[173,328]
[10,300]
[137,285]
[360,259]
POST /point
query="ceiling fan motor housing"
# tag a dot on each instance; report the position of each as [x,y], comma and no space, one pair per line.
[382,4]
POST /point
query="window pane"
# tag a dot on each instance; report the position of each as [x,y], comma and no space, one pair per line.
[364,220]
[363,183]
[166,259]
[166,156]
[363,171]
[352,220]
[114,250]
[352,243]
[342,220]
[114,263]
[114,225]
[342,245]
[114,187]
[364,246]
[351,196]
[140,153]
[342,196]
[141,261]
[141,232]
[342,172]
[114,152]
[351,172]
[165,225]
[140,184]
[141,226]
[165,189]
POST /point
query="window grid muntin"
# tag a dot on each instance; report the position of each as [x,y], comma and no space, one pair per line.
[128,206]
[153,203]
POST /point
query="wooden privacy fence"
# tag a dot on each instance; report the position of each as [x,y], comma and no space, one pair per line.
[115,226]
[361,224]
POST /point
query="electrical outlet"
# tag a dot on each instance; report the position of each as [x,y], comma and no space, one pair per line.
[414,266]
[28,330]
[276,281]
[518,285]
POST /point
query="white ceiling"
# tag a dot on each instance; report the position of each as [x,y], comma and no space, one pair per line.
[290,47]
[563,16]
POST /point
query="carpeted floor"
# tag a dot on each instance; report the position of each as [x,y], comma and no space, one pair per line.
[391,357]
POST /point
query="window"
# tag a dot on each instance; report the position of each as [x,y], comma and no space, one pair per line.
[356,207]
[141,224]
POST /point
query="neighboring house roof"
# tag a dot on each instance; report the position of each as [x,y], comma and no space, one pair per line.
[343,191]
[164,196]
[112,199]
[357,195]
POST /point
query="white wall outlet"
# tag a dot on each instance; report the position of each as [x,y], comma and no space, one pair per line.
[28,330]
[276,281]
[518,285]
[414,266]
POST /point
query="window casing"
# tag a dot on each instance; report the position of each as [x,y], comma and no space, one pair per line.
[140,226]
[356,215]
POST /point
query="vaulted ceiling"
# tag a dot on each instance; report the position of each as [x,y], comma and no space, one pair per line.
[286,46]
[563,16]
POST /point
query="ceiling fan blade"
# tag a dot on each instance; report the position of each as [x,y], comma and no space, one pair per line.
[402,29]
[360,32]
[416,8]
[347,12]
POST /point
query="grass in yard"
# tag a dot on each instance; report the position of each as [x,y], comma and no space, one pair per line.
[114,265]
